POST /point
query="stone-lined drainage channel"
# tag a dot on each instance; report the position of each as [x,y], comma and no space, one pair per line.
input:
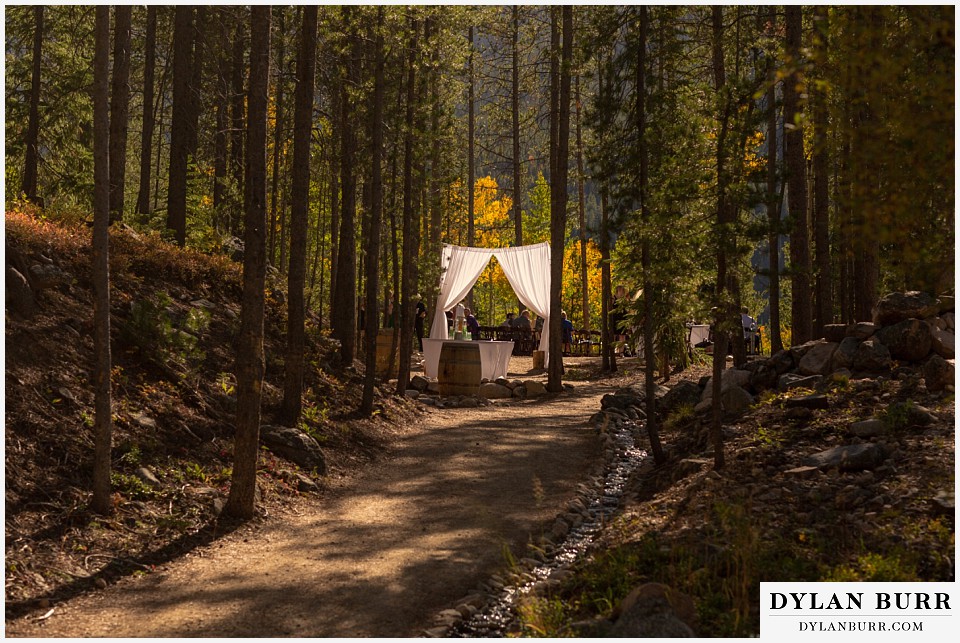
[489,611]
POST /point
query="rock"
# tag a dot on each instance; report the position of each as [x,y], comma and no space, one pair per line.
[781,361]
[871,356]
[622,399]
[146,476]
[798,352]
[683,393]
[735,400]
[817,360]
[801,472]
[909,340]
[943,342]
[854,457]
[919,415]
[898,306]
[869,428]
[48,276]
[412,393]
[306,484]
[492,391]
[764,378]
[144,422]
[18,295]
[788,381]
[469,402]
[520,392]
[948,320]
[845,353]
[203,303]
[840,375]
[862,330]
[294,445]
[798,413]
[704,405]
[433,387]
[732,377]
[419,383]
[945,503]
[938,373]
[815,401]
[654,610]
[834,332]
[534,388]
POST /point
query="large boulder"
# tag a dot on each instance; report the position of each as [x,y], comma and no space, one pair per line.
[862,330]
[683,393]
[846,351]
[944,342]
[732,377]
[871,356]
[938,373]
[628,396]
[899,306]
[735,400]
[817,359]
[908,340]
[294,445]
[781,361]
[834,332]
[763,378]
[535,388]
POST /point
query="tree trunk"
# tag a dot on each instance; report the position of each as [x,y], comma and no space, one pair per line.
[237,115]
[649,356]
[558,201]
[179,134]
[345,311]
[30,174]
[471,170]
[582,214]
[119,109]
[299,204]
[821,221]
[103,423]
[802,330]
[722,322]
[515,115]
[277,145]
[336,162]
[376,220]
[146,138]
[221,136]
[411,229]
[773,200]
[250,358]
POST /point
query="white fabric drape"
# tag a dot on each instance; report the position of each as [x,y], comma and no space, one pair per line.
[527,268]
[460,268]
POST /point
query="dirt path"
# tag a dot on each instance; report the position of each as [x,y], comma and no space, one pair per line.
[383,553]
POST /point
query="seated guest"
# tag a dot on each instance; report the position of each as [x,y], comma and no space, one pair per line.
[523,321]
[508,322]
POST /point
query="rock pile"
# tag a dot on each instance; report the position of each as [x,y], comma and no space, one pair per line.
[427,391]
[911,337]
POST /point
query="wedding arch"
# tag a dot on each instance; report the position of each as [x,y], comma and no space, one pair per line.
[527,268]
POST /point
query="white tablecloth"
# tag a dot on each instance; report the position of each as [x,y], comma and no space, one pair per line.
[698,333]
[494,357]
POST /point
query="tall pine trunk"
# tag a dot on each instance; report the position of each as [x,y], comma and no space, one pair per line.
[103,423]
[411,228]
[802,305]
[119,109]
[773,199]
[146,137]
[649,355]
[558,200]
[179,132]
[299,204]
[250,357]
[29,187]
[821,221]
[237,116]
[376,220]
[582,217]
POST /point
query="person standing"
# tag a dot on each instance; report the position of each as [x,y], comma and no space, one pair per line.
[418,322]
[473,326]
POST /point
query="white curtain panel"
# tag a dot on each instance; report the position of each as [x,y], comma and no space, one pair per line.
[528,270]
[460,268]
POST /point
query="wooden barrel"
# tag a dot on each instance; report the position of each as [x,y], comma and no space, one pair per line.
[459,369]
[384,341]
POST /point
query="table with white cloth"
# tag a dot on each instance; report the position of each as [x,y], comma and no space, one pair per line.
[494,356]
[698,333]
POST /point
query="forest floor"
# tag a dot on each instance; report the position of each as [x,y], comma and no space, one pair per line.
[417,504]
